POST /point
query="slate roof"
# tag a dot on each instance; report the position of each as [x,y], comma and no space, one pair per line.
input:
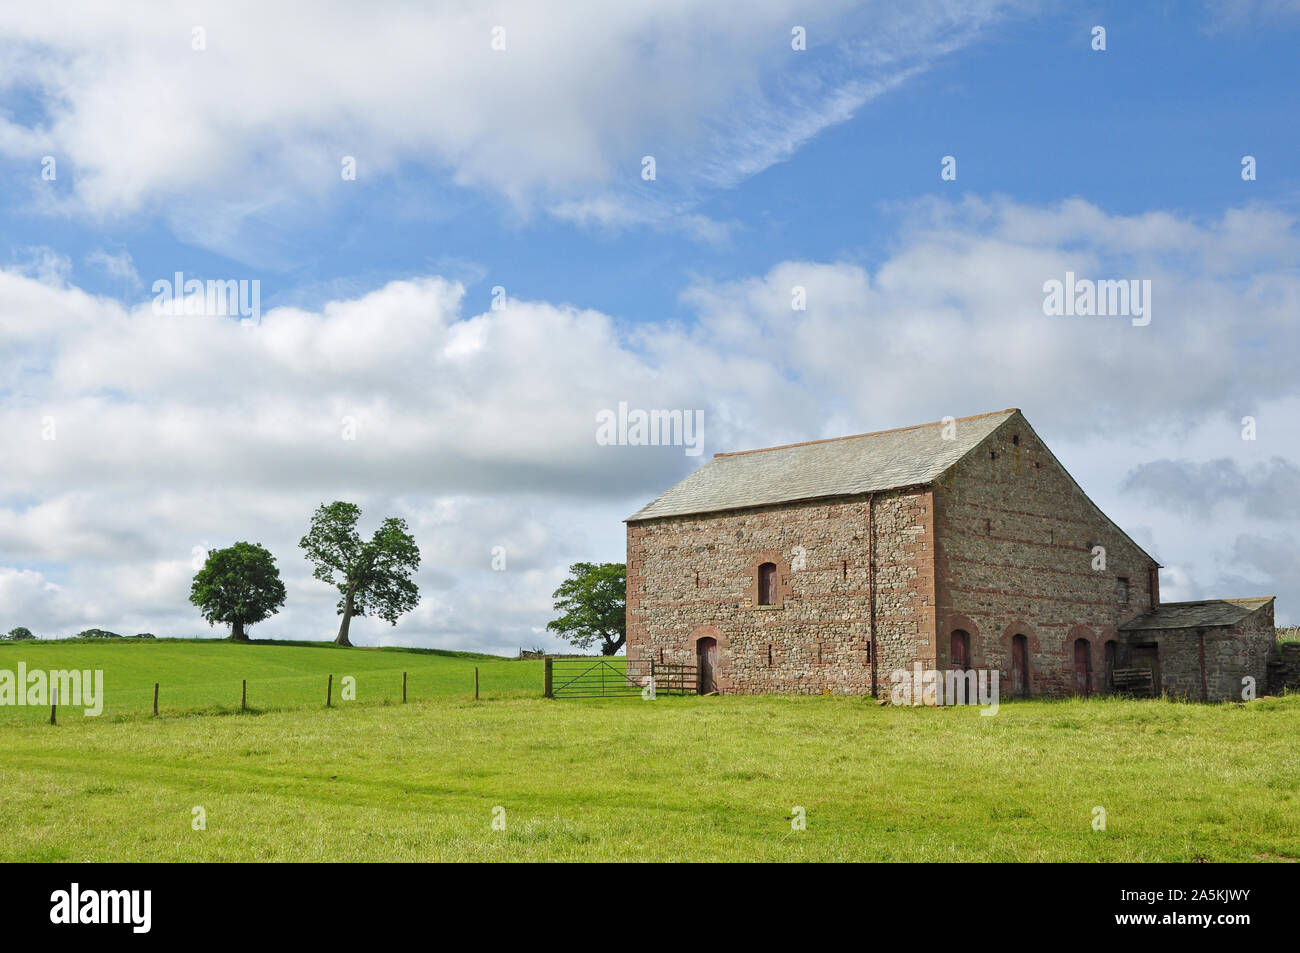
[841,466]
[1192,615]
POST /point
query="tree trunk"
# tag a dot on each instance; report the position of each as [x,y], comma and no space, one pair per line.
[237,632]
[611,647]
[342,638]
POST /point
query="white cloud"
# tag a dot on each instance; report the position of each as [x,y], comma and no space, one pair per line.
[263,115]
[116,265]
[175,432]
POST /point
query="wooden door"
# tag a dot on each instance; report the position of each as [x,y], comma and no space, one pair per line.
[959,650]
[706,651]
[1082,667]
[1110,665]
[1019,665]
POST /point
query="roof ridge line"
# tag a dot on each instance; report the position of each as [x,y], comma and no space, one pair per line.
[855,436]
[1199,602]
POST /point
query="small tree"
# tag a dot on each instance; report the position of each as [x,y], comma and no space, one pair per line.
[373,578]
[594,602]
[238,586]
[20,634]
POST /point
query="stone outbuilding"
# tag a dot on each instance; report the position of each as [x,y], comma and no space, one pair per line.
[829,565]
[1203,650]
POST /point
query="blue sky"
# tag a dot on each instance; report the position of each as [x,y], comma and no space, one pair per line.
[1158,120]
[522,168]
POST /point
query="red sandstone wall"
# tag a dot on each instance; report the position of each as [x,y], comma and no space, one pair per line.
[1014,537]
[694,576]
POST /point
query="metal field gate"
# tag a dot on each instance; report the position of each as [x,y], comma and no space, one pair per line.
[617,677]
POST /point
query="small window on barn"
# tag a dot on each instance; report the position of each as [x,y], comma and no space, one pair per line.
[767,584]
[1121,590]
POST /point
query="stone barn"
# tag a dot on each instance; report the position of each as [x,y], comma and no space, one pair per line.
[827,566]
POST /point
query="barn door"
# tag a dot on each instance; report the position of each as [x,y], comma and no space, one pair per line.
[959,650]
[706,651]
[1019,666]
[1082,667]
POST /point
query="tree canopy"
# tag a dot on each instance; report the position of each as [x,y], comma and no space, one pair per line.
[593,601]
[373,577]
[238,586]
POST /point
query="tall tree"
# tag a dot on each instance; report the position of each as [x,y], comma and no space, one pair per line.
[594,602]
[373,578]
[238,586]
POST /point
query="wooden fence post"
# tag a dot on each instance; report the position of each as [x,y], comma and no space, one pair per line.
[403,688]
[546,682]
[155,699]
[243,697]
[329,691]
[54,704]
[476,683]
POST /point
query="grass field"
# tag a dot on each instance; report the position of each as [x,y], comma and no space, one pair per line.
[617,779]
[205,675]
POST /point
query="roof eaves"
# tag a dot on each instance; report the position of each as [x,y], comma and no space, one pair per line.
[762,506]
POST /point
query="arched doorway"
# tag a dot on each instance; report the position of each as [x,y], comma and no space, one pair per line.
[959,650]
[706,654]
[1019,666]
[1082,667]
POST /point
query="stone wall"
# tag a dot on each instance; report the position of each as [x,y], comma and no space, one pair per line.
[1014,556]
[1230,652]
[1284,670]
[1002,546]
[696,576]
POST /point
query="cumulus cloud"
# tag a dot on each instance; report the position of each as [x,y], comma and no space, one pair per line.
[1269,490]
[171,433]
[139,438]
[216,112]
[957,310]
[1265,565]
